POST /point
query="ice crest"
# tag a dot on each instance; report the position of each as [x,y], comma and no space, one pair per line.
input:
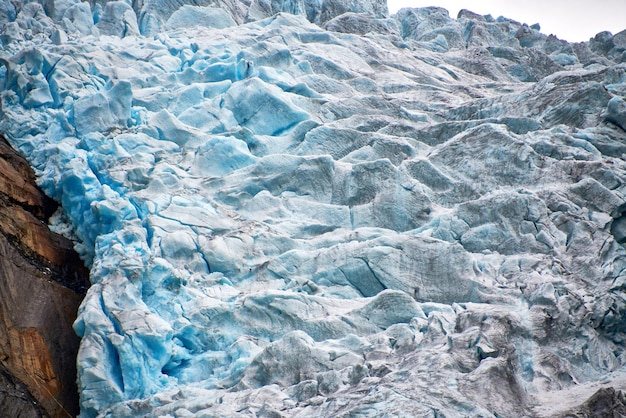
[313,208]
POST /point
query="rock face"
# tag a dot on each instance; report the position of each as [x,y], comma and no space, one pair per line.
[328,213]
[16,399]
[42,282]
[606,402]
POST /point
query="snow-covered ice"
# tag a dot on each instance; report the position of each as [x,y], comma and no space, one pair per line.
[311,208]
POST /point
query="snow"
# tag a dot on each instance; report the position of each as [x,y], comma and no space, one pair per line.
[410,214]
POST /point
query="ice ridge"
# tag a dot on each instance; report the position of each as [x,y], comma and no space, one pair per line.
[312,208]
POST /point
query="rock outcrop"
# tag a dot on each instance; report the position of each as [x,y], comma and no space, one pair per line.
[42,282]
[606,402]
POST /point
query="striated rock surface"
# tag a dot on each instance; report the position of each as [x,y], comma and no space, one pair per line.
[16,399]
[42,282]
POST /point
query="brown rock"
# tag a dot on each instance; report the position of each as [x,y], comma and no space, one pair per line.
[605,403]
[17,183]
[42,282]
[16,400]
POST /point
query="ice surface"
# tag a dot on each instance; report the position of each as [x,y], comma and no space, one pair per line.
[310,208]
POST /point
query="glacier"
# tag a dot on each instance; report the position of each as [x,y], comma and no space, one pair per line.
[312,208]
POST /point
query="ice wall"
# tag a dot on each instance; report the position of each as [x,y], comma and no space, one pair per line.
[416,214]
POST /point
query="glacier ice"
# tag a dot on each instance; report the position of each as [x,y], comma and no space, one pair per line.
[311,208]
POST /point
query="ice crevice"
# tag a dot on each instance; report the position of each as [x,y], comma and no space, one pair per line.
[329,212]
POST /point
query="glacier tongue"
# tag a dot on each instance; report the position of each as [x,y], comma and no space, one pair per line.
[364,215]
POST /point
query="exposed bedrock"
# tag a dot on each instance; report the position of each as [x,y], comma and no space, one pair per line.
[42,282]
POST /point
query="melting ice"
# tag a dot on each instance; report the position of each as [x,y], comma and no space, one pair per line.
[310,208]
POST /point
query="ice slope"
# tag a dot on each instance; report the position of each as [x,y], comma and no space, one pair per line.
[360,216]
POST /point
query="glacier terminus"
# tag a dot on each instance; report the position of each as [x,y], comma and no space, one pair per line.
[311,208]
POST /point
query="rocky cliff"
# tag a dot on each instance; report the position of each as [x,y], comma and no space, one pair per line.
[42,282]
